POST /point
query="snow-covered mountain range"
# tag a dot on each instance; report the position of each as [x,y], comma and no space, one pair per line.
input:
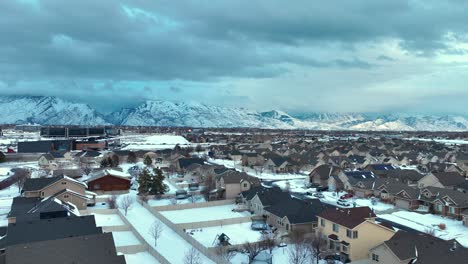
[55,111]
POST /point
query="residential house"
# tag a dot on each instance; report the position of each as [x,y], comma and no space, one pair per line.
[279,165]
[231,183]
[46,161]
[63,188]
[349,178]
[33,208]
[381,170]
[352,232]
[413,247]
[444,201]
[321,174]
[441,180]
[399,194]
[408,177]
[72,173]
[109,180]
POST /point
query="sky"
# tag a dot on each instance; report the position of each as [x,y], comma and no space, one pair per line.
[299,56]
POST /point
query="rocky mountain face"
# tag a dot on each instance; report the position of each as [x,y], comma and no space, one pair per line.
[55,111]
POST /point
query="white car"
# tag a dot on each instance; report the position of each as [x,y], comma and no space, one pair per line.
[343,202]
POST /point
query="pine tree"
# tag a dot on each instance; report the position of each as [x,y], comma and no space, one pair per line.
[132,158]
[115,161]
[104,163]
[157,182]
[148,161]
[144,181]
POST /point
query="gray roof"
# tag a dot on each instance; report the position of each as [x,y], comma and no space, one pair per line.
[37,184]
[29,208]
[73,173]
[431,250]
[449,178]
[298,211]
[89,249]
[50,229]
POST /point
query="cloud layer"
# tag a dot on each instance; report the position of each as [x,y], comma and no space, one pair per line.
[303,56]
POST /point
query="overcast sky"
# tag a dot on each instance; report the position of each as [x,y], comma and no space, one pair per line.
[302,55]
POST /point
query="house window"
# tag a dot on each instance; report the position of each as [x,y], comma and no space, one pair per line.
[245,185]
[375,257]
[322,222]
[452,210]
[65,196]
[355,234]
[335,228]
[349,233]
[345,248]
[438,207]
[42,194]
[63,183]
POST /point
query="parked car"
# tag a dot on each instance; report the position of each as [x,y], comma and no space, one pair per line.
[318,195]
[343,202]
[346,196]
[322,188]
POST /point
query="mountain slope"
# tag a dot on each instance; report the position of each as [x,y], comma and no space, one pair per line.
[54,111]
[47,111]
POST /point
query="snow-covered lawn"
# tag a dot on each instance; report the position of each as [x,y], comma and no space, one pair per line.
[140,258]
[108,220]
[424,222]
[261,175]
[153,142]
[170,244]
[126,238]
[163,202]
[332,198]
[238,233]
[203,214]
[294,186]
[280,256]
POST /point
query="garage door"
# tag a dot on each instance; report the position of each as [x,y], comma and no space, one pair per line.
[402,204]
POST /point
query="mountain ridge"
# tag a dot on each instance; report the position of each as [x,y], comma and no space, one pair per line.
[48,110]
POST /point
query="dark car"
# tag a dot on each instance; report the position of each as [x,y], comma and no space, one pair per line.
[318,195]
[346,196]
[322,188]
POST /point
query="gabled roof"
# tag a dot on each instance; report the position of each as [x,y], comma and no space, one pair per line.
[298,211]
[449,178]
[349,218]
[28,208]
[88,249]
[185,162]
[37,184]
[358,175]
[411,175]
[49,229]
[430,250]
[108,172]
[324,171]
[73,173]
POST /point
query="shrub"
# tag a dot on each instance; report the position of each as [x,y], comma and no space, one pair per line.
[442,226]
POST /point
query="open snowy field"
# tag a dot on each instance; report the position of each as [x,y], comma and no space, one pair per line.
[170,244]
[126,238]
[203,214]
[108,220]
[140,258]
[238,234]
[261,175]
[424,222]
[153,142]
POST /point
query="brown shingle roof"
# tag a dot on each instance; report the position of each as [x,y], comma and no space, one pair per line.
[349,218]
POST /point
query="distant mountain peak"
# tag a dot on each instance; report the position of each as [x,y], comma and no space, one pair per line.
[48,110]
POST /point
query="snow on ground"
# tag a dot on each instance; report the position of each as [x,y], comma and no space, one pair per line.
[294,186]
[203,214]
[140,258]
[280,256]
[238,233]
[164,202]
[332,198]
[261,175]
[170,244]
[153,142]
[126,238]
[108,220]
[424,222]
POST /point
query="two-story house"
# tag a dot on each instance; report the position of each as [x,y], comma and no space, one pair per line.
[352,232]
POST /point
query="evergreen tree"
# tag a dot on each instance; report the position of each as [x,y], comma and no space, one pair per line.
[115,161]
[148,161]
[144,181]
[157,182]
[132,158]
[104,163]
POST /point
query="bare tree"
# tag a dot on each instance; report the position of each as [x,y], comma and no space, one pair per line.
[125,203]
[298,253]
[209,185]
[225,253]
[112,202]
[317,244]
[268,241]
[155,231]
[144,198]
[21,175]
[192,257]
[252,250]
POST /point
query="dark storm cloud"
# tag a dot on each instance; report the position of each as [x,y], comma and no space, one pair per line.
[72,48]
[147,40]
